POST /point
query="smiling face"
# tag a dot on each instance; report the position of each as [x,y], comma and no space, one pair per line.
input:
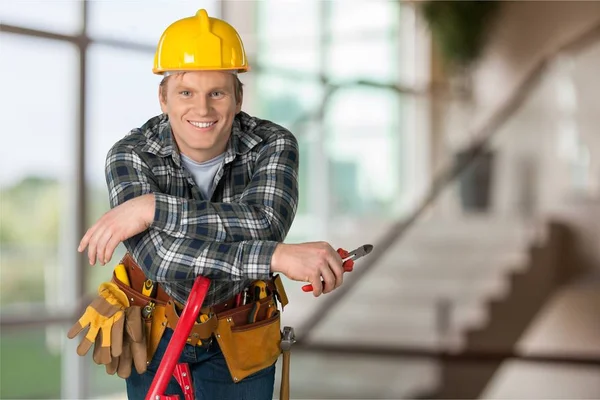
[201,106]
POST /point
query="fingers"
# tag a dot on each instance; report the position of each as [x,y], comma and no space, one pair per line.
[335,266]
[116,341]
[96,239]
[101,246]
[90,240]
[124,369]
[76,328]
[85,240]
[111,367]
[317,286]
[111,246]
[84,346]
[101,242]
[331,271]
[329,279]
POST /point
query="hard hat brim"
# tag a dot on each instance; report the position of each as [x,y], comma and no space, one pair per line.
[162,71]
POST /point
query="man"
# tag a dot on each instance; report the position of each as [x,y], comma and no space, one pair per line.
[206,189]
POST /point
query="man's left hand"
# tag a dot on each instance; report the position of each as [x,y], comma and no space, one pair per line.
[121,223]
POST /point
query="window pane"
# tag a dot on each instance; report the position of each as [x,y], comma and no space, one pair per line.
[291,102]
[59,16]
[37,163]
[289,35]
[282,20]
[363,144]
[358,16]
[122,95]
[283,99]
[375,59]
[134,21]
[297,56]
[363,105]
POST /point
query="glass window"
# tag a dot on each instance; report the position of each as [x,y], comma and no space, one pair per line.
[375,59]
[122,95]
[363,105]
[130,22]
[284,100]
[362,142]
[291,103]
[297,56]
[64,16]
[289,36]
[39,130]
[278,21]
[362,16]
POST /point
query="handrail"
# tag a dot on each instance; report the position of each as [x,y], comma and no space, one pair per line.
[468,355]
[478,146]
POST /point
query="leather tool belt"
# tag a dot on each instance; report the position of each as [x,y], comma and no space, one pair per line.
[249,335]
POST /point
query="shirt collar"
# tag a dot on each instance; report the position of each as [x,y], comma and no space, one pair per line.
[242,139]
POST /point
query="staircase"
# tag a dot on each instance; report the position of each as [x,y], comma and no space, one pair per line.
[510,316]
[459,284]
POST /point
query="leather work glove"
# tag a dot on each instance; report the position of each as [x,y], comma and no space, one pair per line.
[134,346]
[104,315]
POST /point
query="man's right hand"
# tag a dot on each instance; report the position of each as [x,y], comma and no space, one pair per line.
[309,262]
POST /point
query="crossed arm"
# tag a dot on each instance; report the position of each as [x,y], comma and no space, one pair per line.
[177,239]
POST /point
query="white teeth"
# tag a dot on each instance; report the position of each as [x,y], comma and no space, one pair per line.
[201,124]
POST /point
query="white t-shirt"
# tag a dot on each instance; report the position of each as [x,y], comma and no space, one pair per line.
[204,173]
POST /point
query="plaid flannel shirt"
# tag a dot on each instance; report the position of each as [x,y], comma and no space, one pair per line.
[229,238]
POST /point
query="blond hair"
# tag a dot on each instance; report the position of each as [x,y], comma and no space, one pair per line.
[238,86]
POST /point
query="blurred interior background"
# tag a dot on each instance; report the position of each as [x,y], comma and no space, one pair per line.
[461,139]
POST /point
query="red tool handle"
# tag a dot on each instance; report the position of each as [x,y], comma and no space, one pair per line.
[348,267]
[180,335]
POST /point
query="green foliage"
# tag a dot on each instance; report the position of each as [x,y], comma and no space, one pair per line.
[30,211]
[459,28]
[27,369]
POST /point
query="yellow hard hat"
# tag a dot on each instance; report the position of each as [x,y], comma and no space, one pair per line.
[200,43]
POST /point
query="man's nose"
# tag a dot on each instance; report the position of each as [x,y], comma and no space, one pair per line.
[203,105]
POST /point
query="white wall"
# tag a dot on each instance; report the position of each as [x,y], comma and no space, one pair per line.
[524,32]
[550,149]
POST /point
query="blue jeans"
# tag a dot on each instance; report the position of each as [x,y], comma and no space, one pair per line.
[210,375]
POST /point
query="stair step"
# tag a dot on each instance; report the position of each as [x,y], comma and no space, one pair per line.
[451,269]
[412,317]
[383,289]
[327,333]
[455,255]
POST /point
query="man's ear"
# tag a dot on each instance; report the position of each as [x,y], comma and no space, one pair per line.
[162,100]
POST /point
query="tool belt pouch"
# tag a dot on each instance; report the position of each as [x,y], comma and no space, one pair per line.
[249,348]
[154,319]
